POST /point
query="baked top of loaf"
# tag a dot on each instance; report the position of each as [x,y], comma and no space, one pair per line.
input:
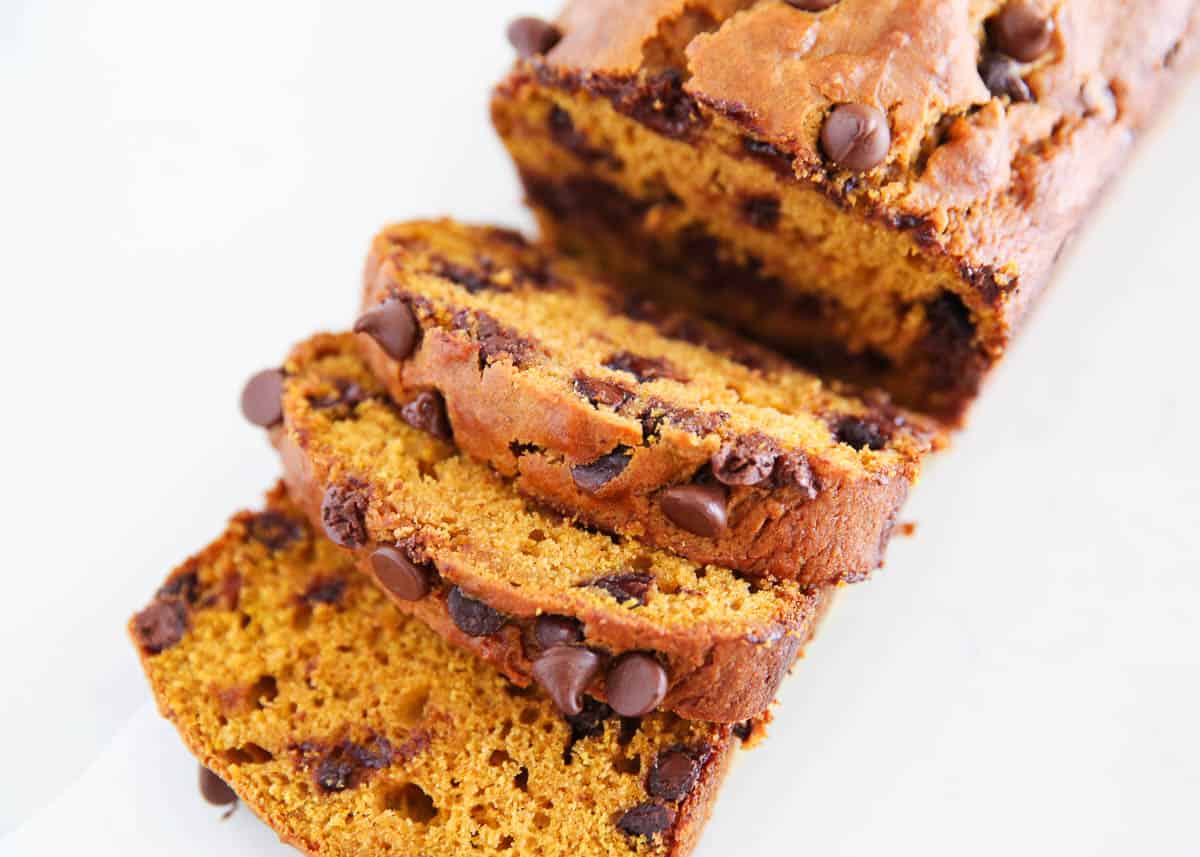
[494,564]
[636,419]
[351,729]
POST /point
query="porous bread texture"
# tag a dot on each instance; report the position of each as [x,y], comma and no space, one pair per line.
[676,144]
[517,340]
[726,642]
[351,729]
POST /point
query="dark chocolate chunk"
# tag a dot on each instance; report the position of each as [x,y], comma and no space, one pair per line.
[161,625]
[860,433]
[427,412]
[557,631]
[274,530]
[646,819]
[856,137]
[1022,30]
[699,509]
[1002,74]
[472,616]
[399,575]
[532,36]
[565,672]
[215,790]
[393,327]
[748,460]
[811,5]
[325,590]
[262,398]
[762,211]
[644,368]
[595,475]
[344,515]
[631,586]
[673,774]
[636,683]
[600,392]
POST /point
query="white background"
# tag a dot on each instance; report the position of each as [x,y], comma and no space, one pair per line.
[186,189]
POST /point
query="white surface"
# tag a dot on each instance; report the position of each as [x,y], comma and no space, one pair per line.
[186,189]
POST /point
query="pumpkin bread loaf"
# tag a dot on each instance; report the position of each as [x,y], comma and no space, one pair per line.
[352,729]
[879,186]
[643,422]
[457,546]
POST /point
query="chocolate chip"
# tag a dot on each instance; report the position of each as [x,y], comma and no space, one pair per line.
[185,586]
[161,625]
[761,212]
[557,631]
[348,764]
[673,774]
[742,730]
[811,5]
[1002,75]
[495,340]
[699,509]
[215,790]
[564,672]
[474,281]
[344,515]
[531,36]
[399,575]
[262,398]
[473,617]
[1022,30]
[644,368]
[274,530]
[792,470]
[646,819]
[588,723]
[636,683]
[427,412]
[595,475]
[393,327]
[771,155]
[856,137]
[860,433]
[600,392]
[748,460]
[345,393]
[632,586]
[325,591]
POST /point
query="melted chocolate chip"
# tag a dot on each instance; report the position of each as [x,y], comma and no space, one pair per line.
[742,730]
[600,392]
[215,790]
[473,617]
[399,575]
[636,684]
[274,530]
[348,764]
[262,398]
[474,281]
[658,101]
[644,368]
[595,475]
[792,470]
[748,460]
[393,327]
[1002,75]
[495,340]
[563,131]
[161,625]
[773,156]
[1022,30]
[532,36]
[761,212]
[588,723]
[427,413]
[347,394]
[631,586]
[699,509]
[185,586]
[856,137]
[325,591]
[673,774]
[344,515]
[811,5]
[860,433]
[553,631]
[646,819]
[565,672]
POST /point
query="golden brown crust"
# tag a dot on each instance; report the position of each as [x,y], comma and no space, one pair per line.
[726,645]
[831,529]
[350,729]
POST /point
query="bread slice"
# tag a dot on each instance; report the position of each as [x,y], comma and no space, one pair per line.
[883,188]
[643,422]
[458,546]
[352,729]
